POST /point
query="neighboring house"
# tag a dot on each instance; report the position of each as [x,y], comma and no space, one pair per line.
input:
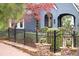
[20,25]
[54,18]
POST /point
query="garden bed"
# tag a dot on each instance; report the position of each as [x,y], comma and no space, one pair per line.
[44,49]
[68,51]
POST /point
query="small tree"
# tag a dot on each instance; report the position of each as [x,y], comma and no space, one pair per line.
[36,8]
[10,11]
[13,11]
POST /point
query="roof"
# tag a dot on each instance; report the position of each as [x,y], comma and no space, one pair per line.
[76,5]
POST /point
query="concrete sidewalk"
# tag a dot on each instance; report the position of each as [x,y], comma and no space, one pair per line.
[32,51]
[7,50]
[22,47]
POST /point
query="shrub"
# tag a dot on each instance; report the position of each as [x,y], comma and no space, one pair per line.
[49,36]
[43,40]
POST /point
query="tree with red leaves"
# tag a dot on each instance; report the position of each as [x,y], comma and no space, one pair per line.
[36,8]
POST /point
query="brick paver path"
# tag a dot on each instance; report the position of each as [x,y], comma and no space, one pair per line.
[6,50]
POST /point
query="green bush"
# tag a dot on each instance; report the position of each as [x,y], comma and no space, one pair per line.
[43,40]
[50,36]
[59,39]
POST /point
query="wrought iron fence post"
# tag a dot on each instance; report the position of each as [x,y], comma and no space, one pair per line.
[74,37]
[24,36]
[37,31]
[36,37]
[15,33]
[54,41]
[9,33]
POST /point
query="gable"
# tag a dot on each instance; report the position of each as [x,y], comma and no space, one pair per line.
[62,8]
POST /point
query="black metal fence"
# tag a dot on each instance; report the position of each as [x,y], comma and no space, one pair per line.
[21,36]
[77,41]
[3,34]
[29,38]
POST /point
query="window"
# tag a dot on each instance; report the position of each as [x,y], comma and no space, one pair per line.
[12,23]
[48,20]
[21,24]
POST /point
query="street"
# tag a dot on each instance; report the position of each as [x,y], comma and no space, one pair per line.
[6,50]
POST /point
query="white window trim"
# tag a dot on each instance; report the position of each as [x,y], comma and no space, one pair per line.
[18,25]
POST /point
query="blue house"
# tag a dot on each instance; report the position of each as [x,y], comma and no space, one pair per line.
[54,18]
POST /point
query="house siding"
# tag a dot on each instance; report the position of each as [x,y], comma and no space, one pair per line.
[30,25]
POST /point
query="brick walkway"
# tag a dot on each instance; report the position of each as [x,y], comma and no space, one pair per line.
[6,50]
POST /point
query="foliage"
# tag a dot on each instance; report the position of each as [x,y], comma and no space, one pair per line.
[49,36]
[37,7]
[10,11]
[43,40]
[44,30]
[59,38]
[67,24]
